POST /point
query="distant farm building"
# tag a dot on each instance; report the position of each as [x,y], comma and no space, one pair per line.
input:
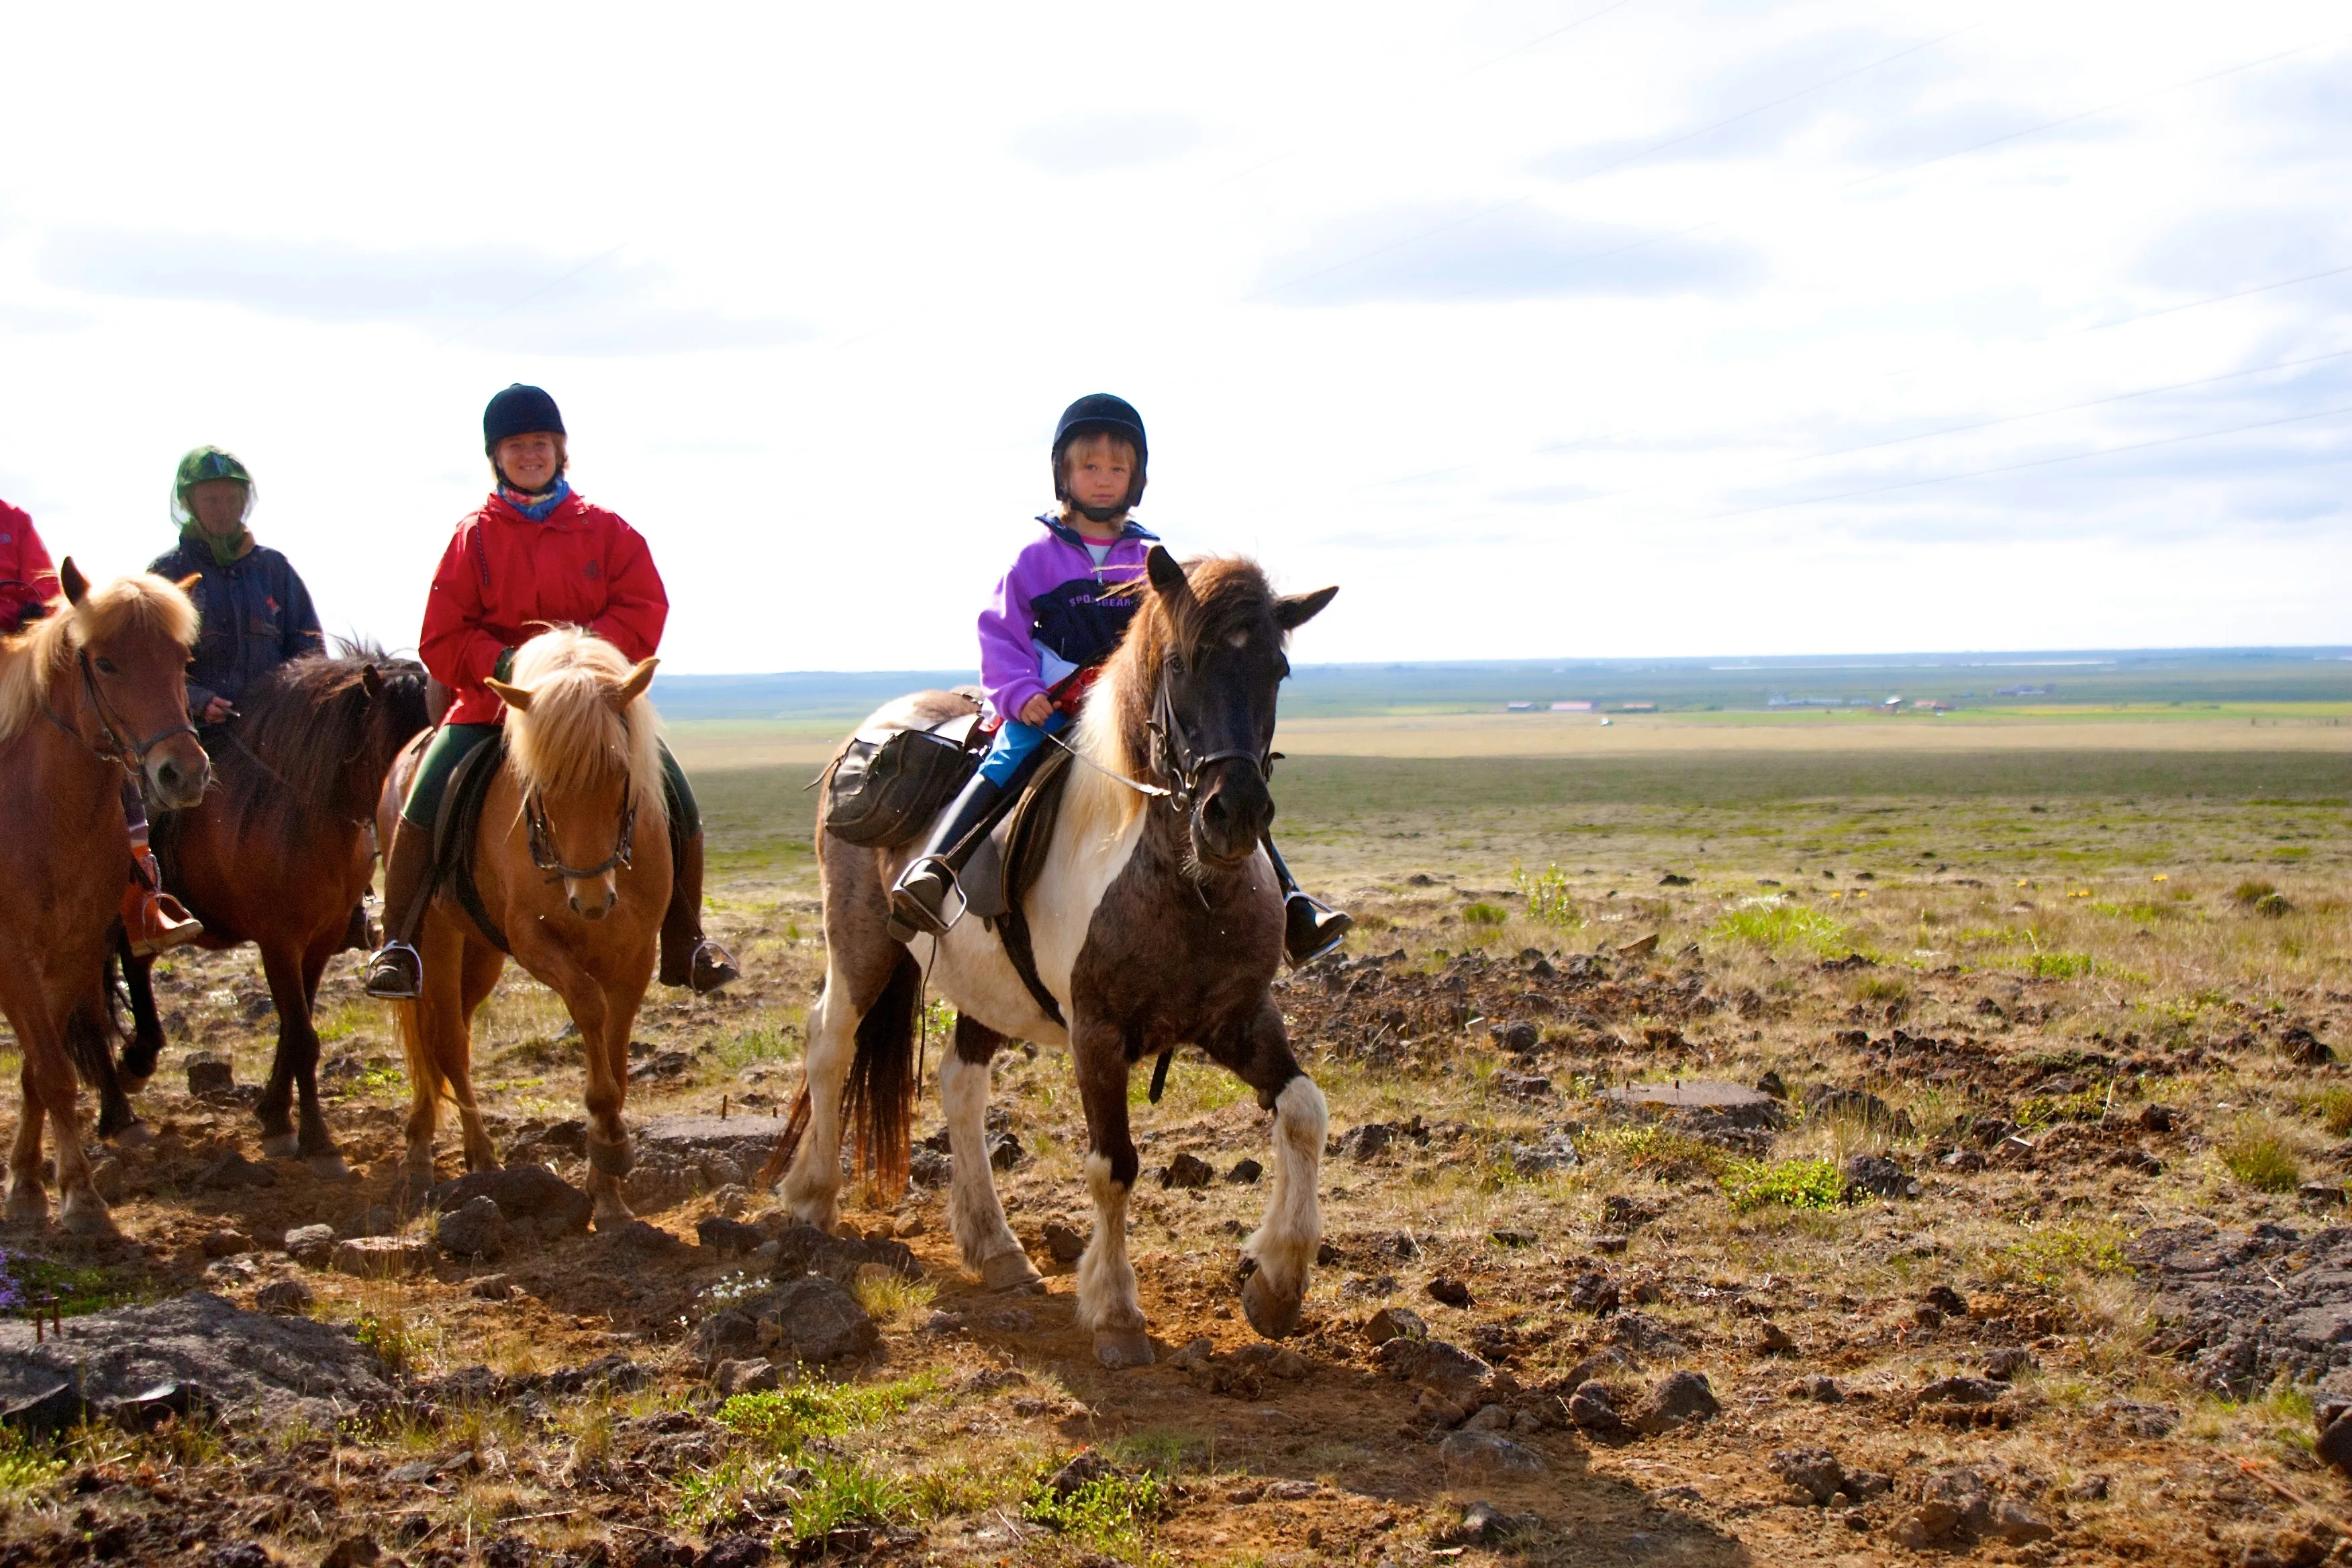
[1572,707]
[1637,707]
[1518,707]
[2023,691]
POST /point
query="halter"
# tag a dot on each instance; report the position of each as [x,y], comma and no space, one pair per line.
[1172,756]
[542,840]
[131,757]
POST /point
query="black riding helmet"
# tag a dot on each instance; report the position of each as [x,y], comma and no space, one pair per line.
[1099,411]
[520,410]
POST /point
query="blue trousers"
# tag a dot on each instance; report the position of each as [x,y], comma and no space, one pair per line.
[1015,742]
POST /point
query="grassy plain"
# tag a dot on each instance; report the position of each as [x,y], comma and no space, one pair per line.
[2018,947]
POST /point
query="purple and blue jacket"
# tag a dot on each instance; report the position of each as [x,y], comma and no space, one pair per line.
[1055,612]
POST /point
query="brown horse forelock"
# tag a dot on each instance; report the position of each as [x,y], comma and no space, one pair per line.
[1229,594]
[322,743]
[31,660]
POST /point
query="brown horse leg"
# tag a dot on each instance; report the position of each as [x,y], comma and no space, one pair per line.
[975,1215]
[1106,1301]
[28,1202]
[316,1144]
[90,1044]
[51,1075]
[146,1047]
[1285,1243]
[424,1025]
[605,1031]
[297,1056]
[481,965]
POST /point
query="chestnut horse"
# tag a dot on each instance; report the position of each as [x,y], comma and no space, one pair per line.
[1156,921]
[279,855]
[571,861]
[97,690]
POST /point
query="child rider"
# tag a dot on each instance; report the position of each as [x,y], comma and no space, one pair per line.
[1057,613]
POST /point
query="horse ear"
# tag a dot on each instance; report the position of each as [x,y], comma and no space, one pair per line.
[1165,575]
[76,585]
[371,682]
[515,697]
[187,584]
[629,690]
[1295,611]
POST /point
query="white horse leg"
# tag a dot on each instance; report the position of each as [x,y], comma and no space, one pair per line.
[975,1215]
[1106,1299]
[813,1186]
[1285,1243]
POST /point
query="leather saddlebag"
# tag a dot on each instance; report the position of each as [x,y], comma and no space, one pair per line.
[885,792]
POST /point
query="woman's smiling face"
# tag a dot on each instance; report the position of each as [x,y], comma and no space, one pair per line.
[531,461]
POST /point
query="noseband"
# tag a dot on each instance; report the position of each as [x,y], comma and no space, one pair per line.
[130,756]
[1174,757]
[542,840]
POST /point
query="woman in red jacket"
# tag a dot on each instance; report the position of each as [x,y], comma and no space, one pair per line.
[534,555]
[151,918]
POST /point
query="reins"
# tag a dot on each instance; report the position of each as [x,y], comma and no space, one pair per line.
[130,757]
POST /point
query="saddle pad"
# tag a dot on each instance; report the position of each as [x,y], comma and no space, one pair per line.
[457,829]
[1005,865]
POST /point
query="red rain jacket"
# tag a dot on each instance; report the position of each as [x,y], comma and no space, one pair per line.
[504,579]
[26,576]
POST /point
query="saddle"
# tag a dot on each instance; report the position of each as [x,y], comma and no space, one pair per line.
[455,829]
[1006,863]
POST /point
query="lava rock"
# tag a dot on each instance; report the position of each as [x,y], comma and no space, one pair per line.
[1945,1299]
[1512,1238]
[383,1256]
[1062,1243]
[1817,1389]
[1873,1176]
[211,1076]
[1815,1471]
[814,1320]
[2004,1365]
[525,1195]
[1521,1038]
[1395,1323]
[1487,1454]
[232,1172]
[284,1299]
[1683,1399]
[311,1244]
[1433,1365]
[54,1409]
[1621,1213]
[1245,1172]
[802,1248]
[1450,1292]
[1004,1152]
[753,1375]
[735,1551]
[1593,1292]
[1592,1408]
[151,1407]
[727,1237]
[1188,1171]
[1962,1391]
[474,1231]
[1369,1140]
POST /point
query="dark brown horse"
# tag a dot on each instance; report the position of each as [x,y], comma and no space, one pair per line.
[1155,921]
[96,689]
[279,855]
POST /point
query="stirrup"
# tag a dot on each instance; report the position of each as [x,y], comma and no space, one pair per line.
[1311,929]
[911,914]
[160,923]
[710,967]
[395,973]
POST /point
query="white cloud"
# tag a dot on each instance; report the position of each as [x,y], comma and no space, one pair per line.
[1541,338]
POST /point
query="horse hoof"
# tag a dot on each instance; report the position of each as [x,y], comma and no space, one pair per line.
[280,1146]
[1009,1271]
[26,1205]
[1274,1315]
[329,1167]
[613,1215]
[1118,1348]
[131,1085]
[138,1135]
[84,1214]
[612,1159]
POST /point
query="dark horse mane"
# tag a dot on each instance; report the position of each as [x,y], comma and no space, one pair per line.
[1229,594]
[300,729]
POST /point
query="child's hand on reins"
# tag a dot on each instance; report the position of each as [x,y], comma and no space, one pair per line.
[1037,711]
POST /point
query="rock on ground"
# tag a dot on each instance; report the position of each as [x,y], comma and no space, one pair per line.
[804,1250]
[279,1369]
[1486,1454]
[810,1319]
[528,1196]
[1433,1365]
[2249,1307]
[1683,1399]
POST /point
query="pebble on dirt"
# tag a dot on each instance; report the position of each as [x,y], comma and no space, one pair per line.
[1450,1292]
[311,1244]
[1245,1172]
[1395,1323]
[284,1299]
[474,1231]
[1683,1399]
[1188,1171]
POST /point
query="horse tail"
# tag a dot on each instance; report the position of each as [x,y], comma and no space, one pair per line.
[879,1101]
[426,1082]
[878,1098]
[89,1042]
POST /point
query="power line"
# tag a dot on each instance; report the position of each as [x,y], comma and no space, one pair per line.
[527,299]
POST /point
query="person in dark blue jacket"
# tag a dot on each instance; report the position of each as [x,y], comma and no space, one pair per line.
[256,612]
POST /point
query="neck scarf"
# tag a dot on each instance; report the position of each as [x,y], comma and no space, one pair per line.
[224,552]
[535,506]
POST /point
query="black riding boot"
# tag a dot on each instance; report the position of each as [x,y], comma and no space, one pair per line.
[396,974]
[919,902]
[687,957]
[1310,928]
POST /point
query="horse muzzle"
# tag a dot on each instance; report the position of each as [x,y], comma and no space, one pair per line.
[178,774]
[1233,814]
[592,900]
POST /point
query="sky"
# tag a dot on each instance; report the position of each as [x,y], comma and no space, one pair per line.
[1604,327]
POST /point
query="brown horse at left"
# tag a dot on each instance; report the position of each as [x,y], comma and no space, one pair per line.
[96,690]
[279,855]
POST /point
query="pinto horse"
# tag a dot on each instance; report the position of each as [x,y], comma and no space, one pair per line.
[572,865]
[279,855]
[96,690]
[1156,921]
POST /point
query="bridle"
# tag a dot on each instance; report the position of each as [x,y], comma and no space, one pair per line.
[130,756]
[542,840]
[1172,756]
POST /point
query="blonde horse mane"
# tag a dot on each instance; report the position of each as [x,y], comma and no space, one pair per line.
[572,737]
[31,660]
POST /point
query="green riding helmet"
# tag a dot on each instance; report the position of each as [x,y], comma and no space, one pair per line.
[201,464]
